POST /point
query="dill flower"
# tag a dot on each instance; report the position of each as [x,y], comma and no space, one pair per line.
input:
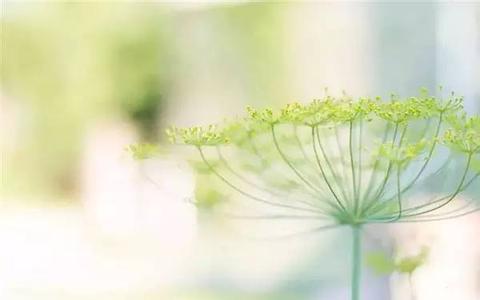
[344,161]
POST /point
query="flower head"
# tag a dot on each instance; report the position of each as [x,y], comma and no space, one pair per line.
[198,136]
[143,151]
[464,136]
[318,159]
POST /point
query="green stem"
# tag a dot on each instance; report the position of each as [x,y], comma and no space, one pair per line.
[412,290]
[372,179]
[399,195]
[429,157]
[340,153]
[432,202]
[290,164]
[352,165]
[323,172]
[457,191]
[360,146]
[248,195]
[356,261]
[378,194]
[256,151]
[300,146]
[450,198]
[336,179]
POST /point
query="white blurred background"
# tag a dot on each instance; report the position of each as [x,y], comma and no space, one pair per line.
[80,219]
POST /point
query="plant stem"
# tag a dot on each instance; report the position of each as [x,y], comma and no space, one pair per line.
[356,261]
[412,290]
[323,171]
[290,164]
[352,165]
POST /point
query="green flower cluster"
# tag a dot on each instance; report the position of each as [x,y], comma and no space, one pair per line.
[464,136]
[143,151]
[403,154]
[344,161]
[198,136]
[329,110]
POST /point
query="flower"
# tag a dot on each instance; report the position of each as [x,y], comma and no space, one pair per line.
[143,151]
[198,136]
[320,161]
[326,152]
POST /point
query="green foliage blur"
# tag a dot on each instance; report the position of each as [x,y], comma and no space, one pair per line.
[70,66]
[382,264]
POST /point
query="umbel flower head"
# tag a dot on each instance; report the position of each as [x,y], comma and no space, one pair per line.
[347,162]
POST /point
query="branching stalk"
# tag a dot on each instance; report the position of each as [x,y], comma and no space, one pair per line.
[323,172]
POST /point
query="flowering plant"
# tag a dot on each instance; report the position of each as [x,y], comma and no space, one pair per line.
[351,162]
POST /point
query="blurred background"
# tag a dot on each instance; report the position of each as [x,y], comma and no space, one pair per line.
[80,219]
